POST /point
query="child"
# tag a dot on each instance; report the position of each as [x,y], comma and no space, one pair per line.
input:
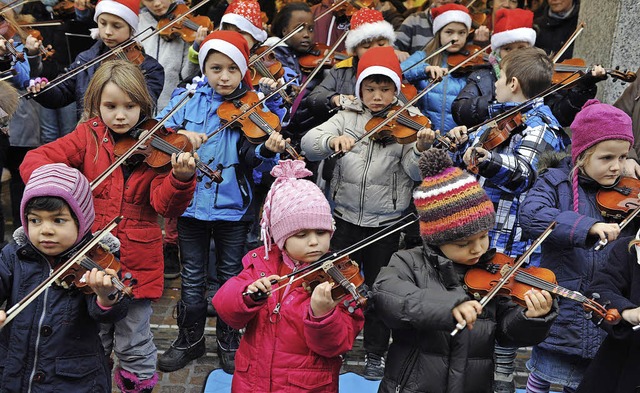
[117,22]
[601,138]
[451,22]
[116,100]
[224,211]
[293,340]
[53,344]
[514,30]
[372,183]
[421,294]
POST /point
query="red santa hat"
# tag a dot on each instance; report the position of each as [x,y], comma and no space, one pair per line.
[231,44]
[246,16]
[512,25]
[125,9]
[380,60]
[366,25]
[450,13]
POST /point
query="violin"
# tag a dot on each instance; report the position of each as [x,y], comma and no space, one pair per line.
[569,70]
[480,280]
[186,28]
[267,66]
[313,58]
[19,55]
[496,135]
[469,51]
[64,8]
[162,144]
[619,200]
[133,53]
[45,51]
[257,125]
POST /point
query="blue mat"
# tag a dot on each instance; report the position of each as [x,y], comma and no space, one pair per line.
[220,382]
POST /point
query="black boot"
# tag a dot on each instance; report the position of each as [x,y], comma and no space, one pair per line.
[228,340]
[190,343]
[171,261]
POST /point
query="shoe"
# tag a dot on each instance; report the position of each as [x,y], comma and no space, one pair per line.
[373,367]
[211,311]
[501,386]
[190,343]
[227,359]
[171,261]
[228,340]
[177,357]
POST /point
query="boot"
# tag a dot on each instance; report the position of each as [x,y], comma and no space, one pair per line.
[190,343]
[128,382]
[171,261]
[228,340]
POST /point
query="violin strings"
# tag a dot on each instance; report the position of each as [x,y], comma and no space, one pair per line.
[168,148]
[90,264]
[528,278]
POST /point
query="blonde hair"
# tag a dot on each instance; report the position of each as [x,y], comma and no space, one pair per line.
[127,77]
[8,99]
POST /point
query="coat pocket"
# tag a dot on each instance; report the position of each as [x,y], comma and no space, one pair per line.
[310,381]
[77,366]
[141,248]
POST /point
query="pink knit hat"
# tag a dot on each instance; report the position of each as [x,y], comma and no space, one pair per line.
[293,204]
[59,180]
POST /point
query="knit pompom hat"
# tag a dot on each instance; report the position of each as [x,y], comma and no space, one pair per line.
[246,16]
[125,9]
[59,180]
[451,204]
[596,122]
[368,24]
[293,204]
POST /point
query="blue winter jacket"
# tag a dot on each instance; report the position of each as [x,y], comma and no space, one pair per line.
[568,252]
[436,105]
[232,199]
[53,344]
[74,89]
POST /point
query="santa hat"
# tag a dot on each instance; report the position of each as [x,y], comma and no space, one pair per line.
[366,25]
[125,9]
[450,13]
[231,44]
[245,15]
[512,26]
[380,60]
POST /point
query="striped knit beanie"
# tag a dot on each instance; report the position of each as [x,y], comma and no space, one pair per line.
[293,204]
[450,202]
[59,180]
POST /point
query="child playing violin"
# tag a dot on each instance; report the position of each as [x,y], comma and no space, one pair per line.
[421,297]
[224,211]
[383,171]
[116,100]
[53,344]
[294,338]
[117,22]
[566,193]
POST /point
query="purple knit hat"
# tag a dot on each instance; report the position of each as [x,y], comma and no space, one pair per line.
[59,180]
[293,204]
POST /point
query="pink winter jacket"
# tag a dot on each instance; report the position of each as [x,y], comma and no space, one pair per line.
[287,352]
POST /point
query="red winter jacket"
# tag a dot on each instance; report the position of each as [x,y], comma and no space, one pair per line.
[286,352]
[89,148]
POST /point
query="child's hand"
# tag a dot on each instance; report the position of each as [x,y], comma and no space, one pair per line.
[467,312]
[458,135]
[3,317]
[184,166]
[262,285]
[632,315]
[599,72]
[37,84]
[435,72]
[482,154]
[197,139]
[201,34]
[267,85]
[425,136]
[481,34]
[33,45]
[631,168]
[100,282]
[3,46]
[538,303]
[604,231]
[401,55]
[276,142]
[321,301]
[341,143]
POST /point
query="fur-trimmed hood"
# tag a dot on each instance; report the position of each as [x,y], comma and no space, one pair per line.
[552,159]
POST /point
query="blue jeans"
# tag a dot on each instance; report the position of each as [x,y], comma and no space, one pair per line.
[56,123]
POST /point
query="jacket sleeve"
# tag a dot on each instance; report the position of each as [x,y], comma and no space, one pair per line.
[318,101]
[405,32]
[410,159]
[566,103]
[154,76]
[418,72]
[471,107]
[112,314]
[517,330]
[401,304]
[540,208]
[6,274]
[315,143]
[334,334]
[64,93]
[170,196]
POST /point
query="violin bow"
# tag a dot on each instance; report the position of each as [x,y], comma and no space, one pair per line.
[510,273]
[60,271]
[14,4]
[252,107]
[330,10]
[275,45]
[412,101]
[174,21]
[566,45]
[96,182]
[333,257]
[320,64]
[439,50]
[602,243]
[8,74]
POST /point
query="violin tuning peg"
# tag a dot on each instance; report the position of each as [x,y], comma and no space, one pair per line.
[210,161]
[595,296]
[128,276]
[199,178]
[588,315]
[207,185]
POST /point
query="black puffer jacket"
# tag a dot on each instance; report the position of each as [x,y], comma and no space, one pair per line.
[414,295]
[552,33]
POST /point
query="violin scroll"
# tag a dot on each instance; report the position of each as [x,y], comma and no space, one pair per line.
[610,316]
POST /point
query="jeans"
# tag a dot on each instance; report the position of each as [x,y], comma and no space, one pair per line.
[370,259]
[56,123]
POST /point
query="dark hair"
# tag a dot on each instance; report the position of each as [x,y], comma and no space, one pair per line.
[48,204]
[378,78]
[531,66]
[282,18]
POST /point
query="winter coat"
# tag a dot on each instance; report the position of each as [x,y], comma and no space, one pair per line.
[415,295]
[568,252]
[415,32]
[145,194]
[436,104]
[329,28]
[616,367]
[372,184]
[552,32]
[471,107]
[511,171]
[74,89]
[53,344]
[291,351]
[628,102]
[231,200]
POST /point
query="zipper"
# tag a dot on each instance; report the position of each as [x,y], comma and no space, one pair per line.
[364,181]
[42,315]
[394,190]
[411,360]
[444,102]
